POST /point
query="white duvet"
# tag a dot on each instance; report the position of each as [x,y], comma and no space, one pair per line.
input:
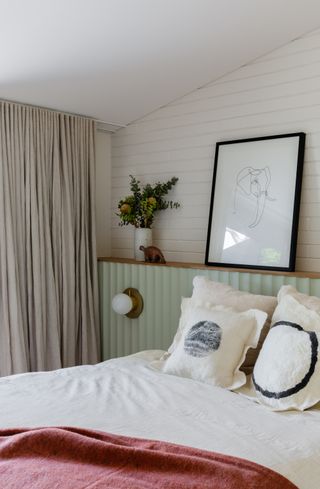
[127,396]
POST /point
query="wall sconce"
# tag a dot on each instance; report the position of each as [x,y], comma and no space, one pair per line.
[129,303]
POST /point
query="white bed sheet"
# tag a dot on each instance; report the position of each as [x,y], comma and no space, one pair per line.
[127,396]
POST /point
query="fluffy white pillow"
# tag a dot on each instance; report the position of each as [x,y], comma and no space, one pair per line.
[207,292]
[309,301]
[212,344]
[287,372]
[289,309]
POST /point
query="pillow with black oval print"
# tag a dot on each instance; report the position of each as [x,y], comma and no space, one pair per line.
[287,372]
[213,343]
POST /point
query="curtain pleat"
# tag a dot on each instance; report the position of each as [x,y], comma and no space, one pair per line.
[48,270]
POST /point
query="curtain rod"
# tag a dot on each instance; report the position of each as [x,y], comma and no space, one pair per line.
[23,104]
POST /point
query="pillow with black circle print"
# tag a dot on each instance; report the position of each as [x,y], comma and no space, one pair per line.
[287,372]
[208,292]
[213,343]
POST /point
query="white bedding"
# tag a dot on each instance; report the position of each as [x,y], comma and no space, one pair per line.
[127,396]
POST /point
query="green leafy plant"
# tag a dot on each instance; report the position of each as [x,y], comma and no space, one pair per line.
[139,208]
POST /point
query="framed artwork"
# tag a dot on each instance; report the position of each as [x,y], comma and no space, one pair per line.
[255,201]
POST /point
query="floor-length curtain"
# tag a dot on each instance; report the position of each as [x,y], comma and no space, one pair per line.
[48,274]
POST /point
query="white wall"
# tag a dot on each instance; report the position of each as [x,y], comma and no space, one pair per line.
[278,93]
[103,193]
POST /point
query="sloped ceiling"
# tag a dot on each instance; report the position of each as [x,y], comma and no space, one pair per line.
[117,60]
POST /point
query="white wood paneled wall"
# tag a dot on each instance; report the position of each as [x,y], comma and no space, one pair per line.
[278,93]
[103,192]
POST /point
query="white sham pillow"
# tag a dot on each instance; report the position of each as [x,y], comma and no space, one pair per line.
[212,345]
[309,301]
[210,292]
[290,309]
[287,372]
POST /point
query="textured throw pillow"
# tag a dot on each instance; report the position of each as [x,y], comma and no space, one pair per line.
[309,301]
[287,372]
[186,308]
[208,292]
[289,309]
[212,345]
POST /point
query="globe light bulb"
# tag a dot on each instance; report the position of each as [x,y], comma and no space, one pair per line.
[121,304]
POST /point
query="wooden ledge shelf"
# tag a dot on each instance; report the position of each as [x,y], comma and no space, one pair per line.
[199,266]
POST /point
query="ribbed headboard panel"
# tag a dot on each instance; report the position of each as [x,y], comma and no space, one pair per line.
[162,288]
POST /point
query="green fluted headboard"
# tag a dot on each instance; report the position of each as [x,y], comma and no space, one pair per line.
[162,287]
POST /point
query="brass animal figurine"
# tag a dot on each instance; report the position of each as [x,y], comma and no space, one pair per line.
[152,254]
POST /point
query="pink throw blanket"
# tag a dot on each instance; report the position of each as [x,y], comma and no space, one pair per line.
[71,458]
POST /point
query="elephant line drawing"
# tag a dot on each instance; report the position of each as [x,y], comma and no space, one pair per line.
[254,182]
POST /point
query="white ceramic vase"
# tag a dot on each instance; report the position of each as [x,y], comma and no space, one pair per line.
[142,237]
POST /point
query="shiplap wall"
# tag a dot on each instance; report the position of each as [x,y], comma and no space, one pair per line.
[103,191]
[277,93]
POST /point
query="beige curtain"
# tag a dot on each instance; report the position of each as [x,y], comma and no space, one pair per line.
[48,276]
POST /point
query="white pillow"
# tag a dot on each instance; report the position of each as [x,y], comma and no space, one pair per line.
[211,292]
[186,307]
[287,372]
[309,301]
[289,309]
[207,292]
[213,343]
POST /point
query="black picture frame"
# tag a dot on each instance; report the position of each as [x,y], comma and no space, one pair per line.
[255,203]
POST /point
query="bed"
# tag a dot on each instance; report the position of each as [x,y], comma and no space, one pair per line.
[127,396]
[157,419]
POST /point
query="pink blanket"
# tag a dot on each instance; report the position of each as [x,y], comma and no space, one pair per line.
[71,458]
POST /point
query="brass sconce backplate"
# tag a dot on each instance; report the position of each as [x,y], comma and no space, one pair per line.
[137,302]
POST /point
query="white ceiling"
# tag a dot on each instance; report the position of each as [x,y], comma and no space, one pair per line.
[117,60]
